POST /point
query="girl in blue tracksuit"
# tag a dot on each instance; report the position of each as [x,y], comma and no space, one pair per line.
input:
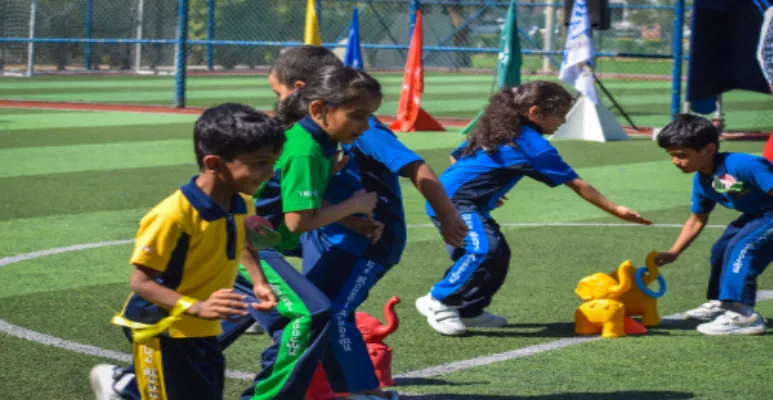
[507,145]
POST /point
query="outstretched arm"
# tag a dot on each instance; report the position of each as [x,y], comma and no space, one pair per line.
[691,229]
[593,196]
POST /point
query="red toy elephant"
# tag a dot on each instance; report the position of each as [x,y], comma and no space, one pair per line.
[374,333]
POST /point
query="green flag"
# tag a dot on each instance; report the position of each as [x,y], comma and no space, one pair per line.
[510,60]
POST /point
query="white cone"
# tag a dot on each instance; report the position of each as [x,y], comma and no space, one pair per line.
[588,121]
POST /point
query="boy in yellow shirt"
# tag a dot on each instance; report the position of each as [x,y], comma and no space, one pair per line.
[186,258]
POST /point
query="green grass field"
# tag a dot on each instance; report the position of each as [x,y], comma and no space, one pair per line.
[73,178]
[647,102]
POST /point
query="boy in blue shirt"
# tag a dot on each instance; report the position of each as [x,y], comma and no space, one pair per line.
[737,181]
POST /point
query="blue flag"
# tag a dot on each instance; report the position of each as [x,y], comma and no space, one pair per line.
[353,57]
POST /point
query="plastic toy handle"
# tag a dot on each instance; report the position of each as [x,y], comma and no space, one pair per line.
[640,283]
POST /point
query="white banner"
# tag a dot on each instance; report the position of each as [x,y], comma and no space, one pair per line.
[765,49]
[578,53]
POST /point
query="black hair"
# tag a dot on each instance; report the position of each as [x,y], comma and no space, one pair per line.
[687,130]
[230,129]
[299,63]
[334,86]
[508,109]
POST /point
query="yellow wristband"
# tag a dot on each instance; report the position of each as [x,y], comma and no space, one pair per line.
[141,332]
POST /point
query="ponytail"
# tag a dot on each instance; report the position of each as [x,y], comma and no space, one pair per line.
[292,109]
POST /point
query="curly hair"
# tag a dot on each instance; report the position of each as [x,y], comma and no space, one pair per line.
[507,110]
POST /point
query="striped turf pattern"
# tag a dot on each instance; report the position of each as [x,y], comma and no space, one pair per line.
[70,178]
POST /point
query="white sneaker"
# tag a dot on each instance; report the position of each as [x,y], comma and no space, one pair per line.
[255,329]
[485,320]
[706,311]
[733,323]
[360,396]
[442,318]
[102,379]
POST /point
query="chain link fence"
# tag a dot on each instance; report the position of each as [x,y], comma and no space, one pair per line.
[241,36]
[111,21]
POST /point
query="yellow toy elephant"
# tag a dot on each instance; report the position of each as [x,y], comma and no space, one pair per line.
[602,312]
[635,301]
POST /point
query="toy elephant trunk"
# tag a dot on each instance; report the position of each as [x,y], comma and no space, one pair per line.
[604,286]
[652,269]
[624,279]
[374,333]
[371,328]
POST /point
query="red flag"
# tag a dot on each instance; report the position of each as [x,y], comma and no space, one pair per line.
[768,151]
[410,116]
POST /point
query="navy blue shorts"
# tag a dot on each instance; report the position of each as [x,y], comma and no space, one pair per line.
[177,369]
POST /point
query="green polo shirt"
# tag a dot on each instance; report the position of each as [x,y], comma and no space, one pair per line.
[300,178]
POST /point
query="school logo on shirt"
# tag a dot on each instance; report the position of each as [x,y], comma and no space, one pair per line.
[727,184]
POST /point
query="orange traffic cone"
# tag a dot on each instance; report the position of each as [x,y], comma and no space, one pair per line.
[768,152]
[633,327]
[410,116]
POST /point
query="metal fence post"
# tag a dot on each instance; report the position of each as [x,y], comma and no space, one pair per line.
[182,53]
[87,45]
[31,44]
[138,46]
[413,7]
[676,84]
[550,17]
[210,34]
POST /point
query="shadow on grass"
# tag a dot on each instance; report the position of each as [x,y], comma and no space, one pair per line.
[431,382]
[566,329]
[549,330]
[628,395]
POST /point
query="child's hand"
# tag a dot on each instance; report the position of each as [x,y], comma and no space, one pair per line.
[367,227]
[266,295]
[363,202]
[665,257]
[454,229]
[629,215]
[222,304]
[375,234]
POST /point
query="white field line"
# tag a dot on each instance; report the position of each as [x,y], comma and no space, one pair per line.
[42,253]
[37,337]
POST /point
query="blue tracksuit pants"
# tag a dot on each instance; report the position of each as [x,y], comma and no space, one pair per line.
[739,256]
[346,279]
[479,269]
